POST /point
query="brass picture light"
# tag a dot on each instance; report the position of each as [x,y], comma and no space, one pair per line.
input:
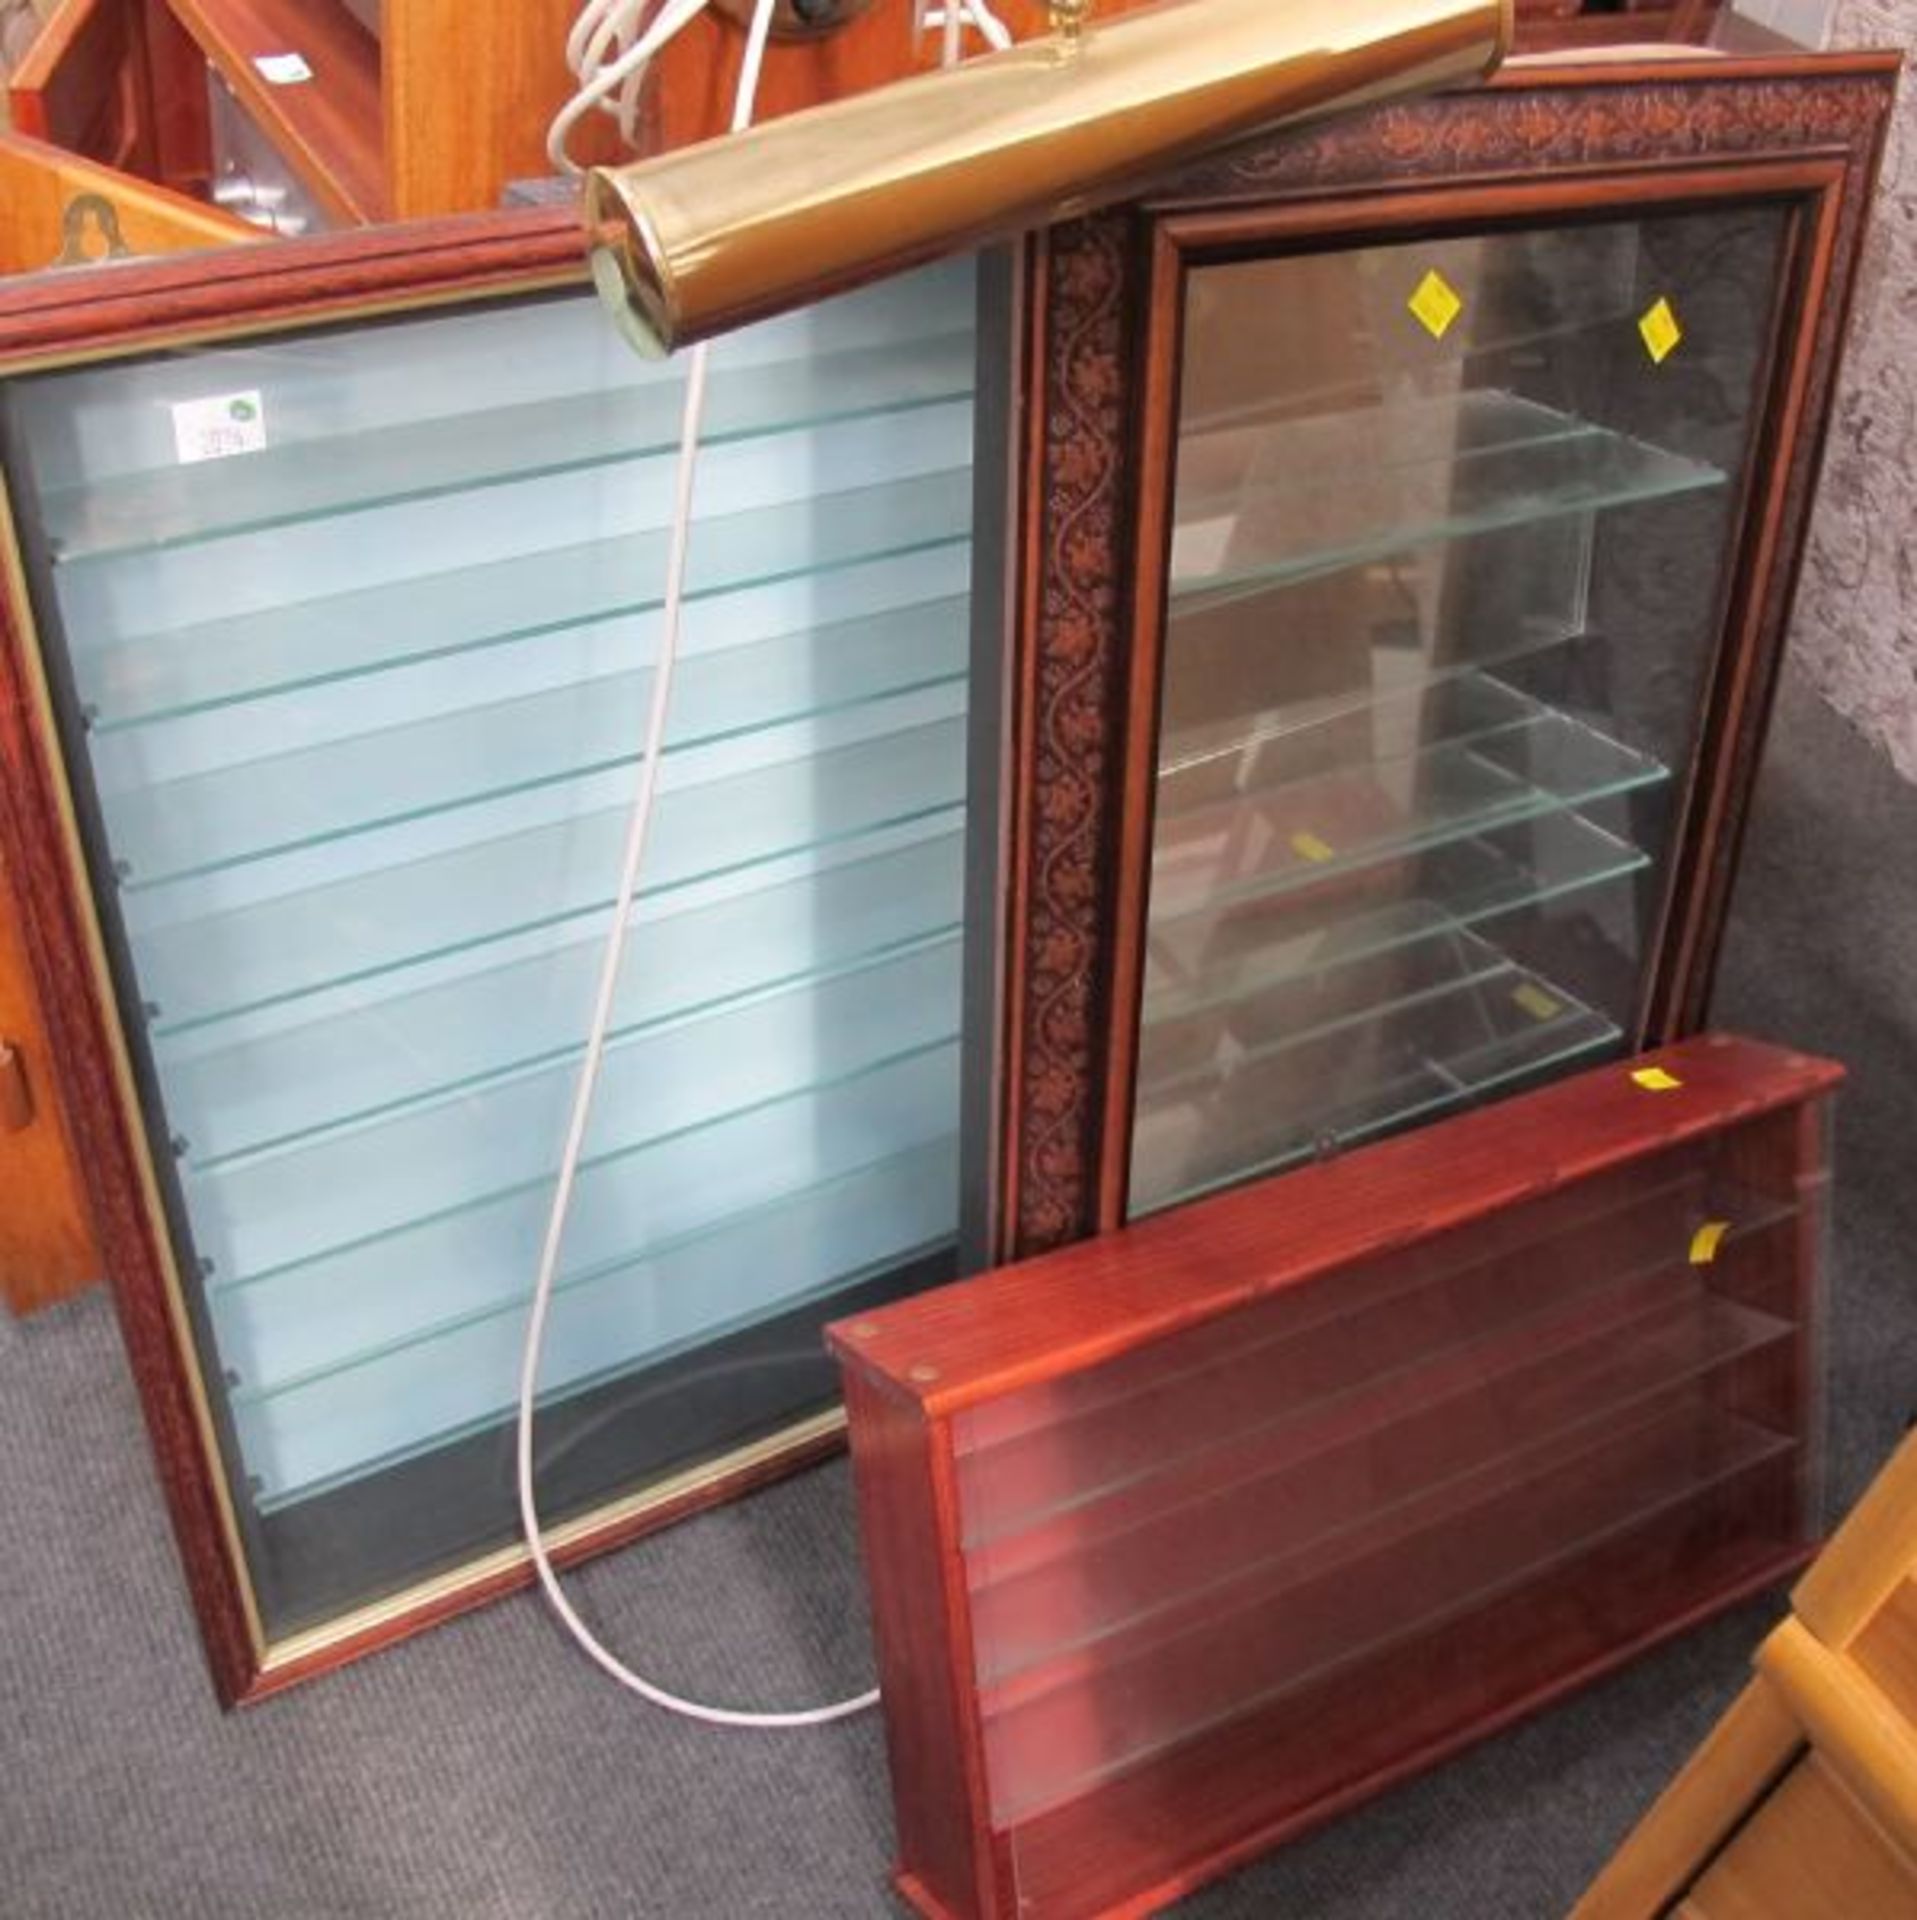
[735,229]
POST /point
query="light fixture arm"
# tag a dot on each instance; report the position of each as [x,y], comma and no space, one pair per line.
[705,239]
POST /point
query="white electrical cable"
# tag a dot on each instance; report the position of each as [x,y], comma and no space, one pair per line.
[612,81]
[637,833]
[602,1020]
[600,24]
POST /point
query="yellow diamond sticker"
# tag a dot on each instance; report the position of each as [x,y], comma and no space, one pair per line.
[1656,1080]
[1661,332]
[1706,1241]
[1536,1002]
[1309,847]
[1436,304]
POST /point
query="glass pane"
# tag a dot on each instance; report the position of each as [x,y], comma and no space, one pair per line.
[1450,534]
[1255,1563]
[354,635]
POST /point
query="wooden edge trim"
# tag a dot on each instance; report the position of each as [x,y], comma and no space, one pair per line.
[306,1657]
[1858,1734]
[190,222]
[1065,738]
[1090,1301]
[1867,1560]
[1741,1759]
[54,319]
[1702,67]
[39,66]
[50,891]
[1136,758]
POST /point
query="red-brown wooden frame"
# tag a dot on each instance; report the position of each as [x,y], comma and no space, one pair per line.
[1075,466]
[1095,427]
[61,320]
[914,1368]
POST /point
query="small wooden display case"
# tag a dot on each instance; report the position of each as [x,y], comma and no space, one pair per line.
[1184,1539]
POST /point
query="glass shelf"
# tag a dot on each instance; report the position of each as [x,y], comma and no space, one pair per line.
[1264,507]
[341,636]
[356,718]
[259,1214]
[278,1088]
[1257,1109]
[1405,1570]
[257,808]
[1188,748]
[757,1266]
[1313,831]
[384,466]
[1539,1381]
[772,1236]
[201,970]
[1232,1034]
[1124,1447]
[1453,710]
[1218,954]
[316,1316]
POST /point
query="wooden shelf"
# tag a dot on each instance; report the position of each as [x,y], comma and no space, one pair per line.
[329,128]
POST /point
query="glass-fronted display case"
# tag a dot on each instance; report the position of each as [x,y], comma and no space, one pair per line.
[352,637]
[1452,521]
[1225,679]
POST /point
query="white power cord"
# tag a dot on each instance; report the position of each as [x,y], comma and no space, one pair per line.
[600,25]
[613,42]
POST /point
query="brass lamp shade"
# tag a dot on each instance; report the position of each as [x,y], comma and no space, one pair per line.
[739,228]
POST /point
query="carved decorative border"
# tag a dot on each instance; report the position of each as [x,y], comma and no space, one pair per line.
[1544,124]
[1069,727]
[1556,122]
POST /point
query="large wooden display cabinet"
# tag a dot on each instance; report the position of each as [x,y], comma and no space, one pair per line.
[1220,682]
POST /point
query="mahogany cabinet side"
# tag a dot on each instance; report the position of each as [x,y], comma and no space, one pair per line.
[908,1531]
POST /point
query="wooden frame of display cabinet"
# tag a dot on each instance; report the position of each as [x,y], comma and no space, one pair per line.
[1185,1539]
[1099,355]
[1064,447]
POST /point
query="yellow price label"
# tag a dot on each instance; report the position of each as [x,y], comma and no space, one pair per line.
[1706,1241]
[1436,304]
[1536,1002]
[1662,332]
[1656,1080]
[1307,846]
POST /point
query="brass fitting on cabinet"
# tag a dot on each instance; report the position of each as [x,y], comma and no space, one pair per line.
[737,229]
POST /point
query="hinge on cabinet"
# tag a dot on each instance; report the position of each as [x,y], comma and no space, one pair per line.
[16,1096]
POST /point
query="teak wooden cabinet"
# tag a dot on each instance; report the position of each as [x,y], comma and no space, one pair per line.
[1206,688]
[1190,1535]
[391,112]
[1803,1800]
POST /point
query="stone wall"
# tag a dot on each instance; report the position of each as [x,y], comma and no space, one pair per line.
[1856,630]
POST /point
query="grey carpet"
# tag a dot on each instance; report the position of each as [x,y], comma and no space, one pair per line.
[485,1772]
